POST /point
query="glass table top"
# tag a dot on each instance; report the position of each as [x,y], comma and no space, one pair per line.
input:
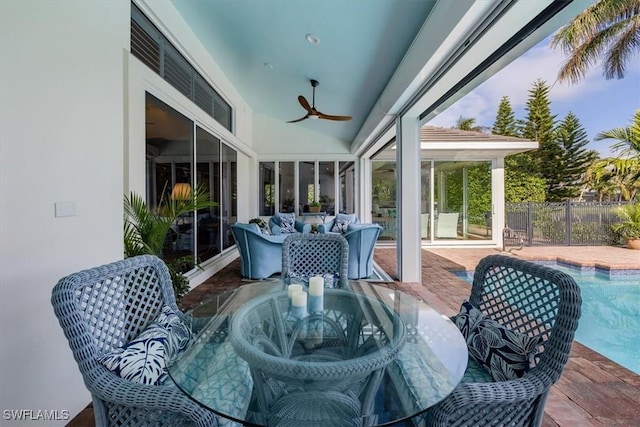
[371,356]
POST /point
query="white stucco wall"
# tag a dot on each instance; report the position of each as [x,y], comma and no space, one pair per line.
[65,113]
[61,141]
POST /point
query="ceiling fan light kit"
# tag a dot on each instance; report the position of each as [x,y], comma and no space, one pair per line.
[312,113]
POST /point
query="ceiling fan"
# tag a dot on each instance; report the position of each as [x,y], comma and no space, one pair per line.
[312,113]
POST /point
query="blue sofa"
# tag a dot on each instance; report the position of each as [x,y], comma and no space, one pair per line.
[260,254]
[274,225]
[362,240]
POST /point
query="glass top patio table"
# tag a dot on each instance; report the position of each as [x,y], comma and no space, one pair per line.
[372,356]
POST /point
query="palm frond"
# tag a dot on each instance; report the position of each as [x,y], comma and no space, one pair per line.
[146,230]
[628,138]
[608,30]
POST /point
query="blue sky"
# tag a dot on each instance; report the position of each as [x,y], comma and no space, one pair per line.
[599,104]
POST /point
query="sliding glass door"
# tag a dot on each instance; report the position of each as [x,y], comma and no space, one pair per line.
[457,200]
[180,156]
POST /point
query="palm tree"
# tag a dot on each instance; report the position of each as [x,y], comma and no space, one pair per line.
[609,29]
[627,167]
[469,124]
[597,178]
[146,229]
[628,144]
[606,178]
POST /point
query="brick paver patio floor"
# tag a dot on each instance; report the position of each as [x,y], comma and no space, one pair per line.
[593,390]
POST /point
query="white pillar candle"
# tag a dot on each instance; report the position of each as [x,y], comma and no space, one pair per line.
[299,304]
[315,280]
[293,288]
[316,294]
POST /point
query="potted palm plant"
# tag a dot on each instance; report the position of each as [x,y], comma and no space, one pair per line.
[146,229]
[629,226]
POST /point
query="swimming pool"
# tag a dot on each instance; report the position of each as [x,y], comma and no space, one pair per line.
[610,321]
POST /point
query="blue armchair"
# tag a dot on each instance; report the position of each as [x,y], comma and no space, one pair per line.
[275,223]
[260,254]
[362,240]
[327,227]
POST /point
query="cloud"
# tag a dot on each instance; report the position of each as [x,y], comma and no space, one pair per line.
[515,81]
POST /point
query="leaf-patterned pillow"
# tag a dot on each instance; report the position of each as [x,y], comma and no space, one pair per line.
[342,222]
[145,359]
[467,319]
[504,353]
[179,335]
[341,225]
[287,223]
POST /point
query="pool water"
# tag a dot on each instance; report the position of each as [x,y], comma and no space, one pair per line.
[610,321]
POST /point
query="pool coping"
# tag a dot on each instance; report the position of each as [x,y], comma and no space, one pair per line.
[599,269]
[594,267]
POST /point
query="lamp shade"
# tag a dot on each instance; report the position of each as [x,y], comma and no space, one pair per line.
[181,191]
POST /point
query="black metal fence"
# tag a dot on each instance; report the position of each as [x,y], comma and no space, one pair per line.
[565,223]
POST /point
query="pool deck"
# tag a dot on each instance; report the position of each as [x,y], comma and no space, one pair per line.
[593,391]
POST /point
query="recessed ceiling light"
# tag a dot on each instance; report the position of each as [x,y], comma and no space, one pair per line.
[312,39]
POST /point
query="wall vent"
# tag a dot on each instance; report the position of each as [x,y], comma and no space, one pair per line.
[151,47]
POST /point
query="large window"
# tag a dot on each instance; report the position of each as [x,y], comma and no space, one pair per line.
[287,192]
[181,155]
[229,199]
[208,175]
[347,187]
[306,185]
[458,206]
[327,187]
[297,184]
[456,203]
[267,188]
[384,183]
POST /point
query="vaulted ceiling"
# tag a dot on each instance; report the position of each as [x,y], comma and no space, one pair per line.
[262,48]
[358,49]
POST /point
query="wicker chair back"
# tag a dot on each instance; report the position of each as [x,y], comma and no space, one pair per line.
[306,255]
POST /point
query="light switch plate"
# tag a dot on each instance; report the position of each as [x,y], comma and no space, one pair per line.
[63,209]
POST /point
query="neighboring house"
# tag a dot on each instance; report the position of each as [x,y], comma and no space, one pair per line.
[78,132]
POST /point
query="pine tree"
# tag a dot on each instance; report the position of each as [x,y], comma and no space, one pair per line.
[539,126]
[505,123]
[539,123]
[520,185]
[573,160]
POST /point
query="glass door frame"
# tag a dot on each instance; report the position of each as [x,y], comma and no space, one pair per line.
[495,179]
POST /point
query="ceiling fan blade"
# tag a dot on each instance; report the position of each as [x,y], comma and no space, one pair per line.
[330,117]
[305,104]
[299,120]
[311,109]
